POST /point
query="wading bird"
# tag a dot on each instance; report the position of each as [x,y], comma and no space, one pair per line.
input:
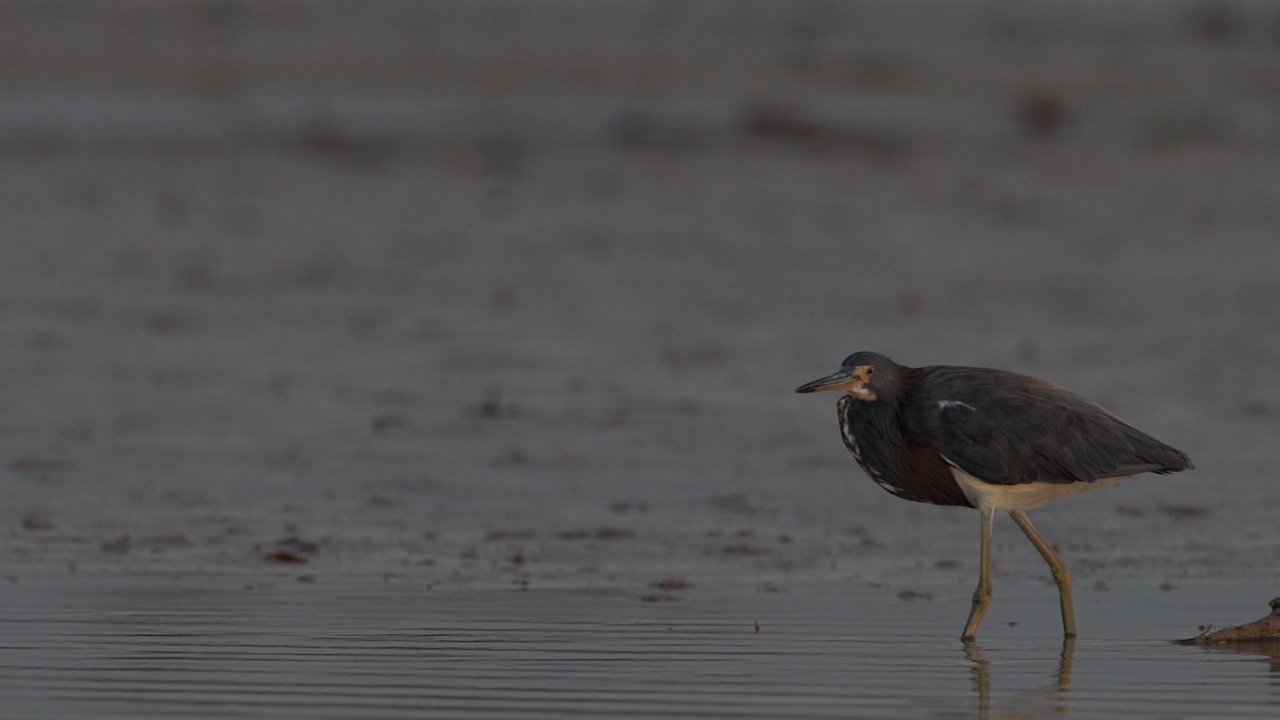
[987,439]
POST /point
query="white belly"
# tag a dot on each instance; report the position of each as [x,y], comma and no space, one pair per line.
[1023,496]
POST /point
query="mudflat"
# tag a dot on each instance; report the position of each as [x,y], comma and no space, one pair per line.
[500,318]
[581,373]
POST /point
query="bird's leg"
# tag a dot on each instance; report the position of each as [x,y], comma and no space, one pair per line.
[1061,575]
[982,594]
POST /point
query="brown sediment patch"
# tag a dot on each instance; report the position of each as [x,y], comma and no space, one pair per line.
[604,533]
[672,584]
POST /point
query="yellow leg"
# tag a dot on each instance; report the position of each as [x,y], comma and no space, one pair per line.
[1061,575]
[981,595]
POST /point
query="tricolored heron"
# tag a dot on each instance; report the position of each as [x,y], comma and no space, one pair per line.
[987,439]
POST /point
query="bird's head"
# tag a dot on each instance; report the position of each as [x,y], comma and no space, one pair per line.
[865,376]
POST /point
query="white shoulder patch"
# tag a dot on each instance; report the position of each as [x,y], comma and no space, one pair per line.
[944,404]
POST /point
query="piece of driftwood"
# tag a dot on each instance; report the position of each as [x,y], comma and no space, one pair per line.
[1266,628]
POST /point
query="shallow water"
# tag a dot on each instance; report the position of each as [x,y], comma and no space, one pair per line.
[199,646]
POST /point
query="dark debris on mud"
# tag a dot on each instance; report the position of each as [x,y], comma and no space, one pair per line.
[1265,628]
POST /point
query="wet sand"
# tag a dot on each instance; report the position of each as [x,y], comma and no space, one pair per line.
[424,370]
[517,330]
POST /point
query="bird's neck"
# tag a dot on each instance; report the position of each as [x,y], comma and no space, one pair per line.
[870,429]
[879,423]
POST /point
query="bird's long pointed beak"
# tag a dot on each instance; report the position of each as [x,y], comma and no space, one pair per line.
[839,380]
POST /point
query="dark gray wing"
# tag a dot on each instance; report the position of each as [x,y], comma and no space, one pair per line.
[1008,429]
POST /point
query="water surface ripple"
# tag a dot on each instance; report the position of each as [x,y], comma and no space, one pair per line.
[103,646]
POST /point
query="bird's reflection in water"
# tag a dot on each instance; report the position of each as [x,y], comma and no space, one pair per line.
[1053,695]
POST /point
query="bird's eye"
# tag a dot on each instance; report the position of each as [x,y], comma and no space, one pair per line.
[871,371]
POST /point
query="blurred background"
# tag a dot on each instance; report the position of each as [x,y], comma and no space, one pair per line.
[494,292]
